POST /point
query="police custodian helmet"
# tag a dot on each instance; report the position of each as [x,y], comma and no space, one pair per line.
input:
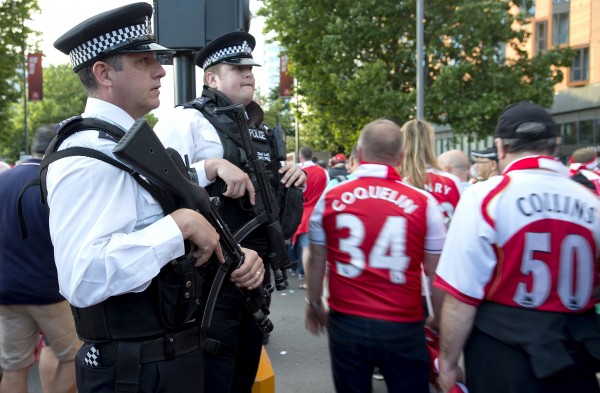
[232,48]
[120,30]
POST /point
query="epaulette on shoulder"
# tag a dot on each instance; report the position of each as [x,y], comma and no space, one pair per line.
[197,103]
[200,101]
[66,124]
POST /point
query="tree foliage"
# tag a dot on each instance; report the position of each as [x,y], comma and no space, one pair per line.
[64,96]
[355,62]
[14,35]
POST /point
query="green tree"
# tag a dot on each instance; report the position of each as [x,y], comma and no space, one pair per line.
[64,96]
[355,61]
[14,34]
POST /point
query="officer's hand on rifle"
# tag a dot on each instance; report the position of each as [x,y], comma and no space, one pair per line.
[251,273]
[237,180]
[196,229]
[292,175]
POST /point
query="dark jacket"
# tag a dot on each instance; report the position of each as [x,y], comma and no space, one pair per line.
[338,170]
[27,269]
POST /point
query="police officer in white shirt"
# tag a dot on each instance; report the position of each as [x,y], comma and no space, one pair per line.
[113,240]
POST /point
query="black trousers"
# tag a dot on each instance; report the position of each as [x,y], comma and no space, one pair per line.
[234,368]
[494,367]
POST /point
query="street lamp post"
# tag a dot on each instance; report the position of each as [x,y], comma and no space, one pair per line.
[419,61]
[25,128]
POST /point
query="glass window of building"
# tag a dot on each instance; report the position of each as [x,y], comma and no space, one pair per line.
[568,131]
[579,68]
[541,32]
[560,21]
[586,132]
[560,28]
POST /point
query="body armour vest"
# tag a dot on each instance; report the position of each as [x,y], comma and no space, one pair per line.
[237,212]
[173,299]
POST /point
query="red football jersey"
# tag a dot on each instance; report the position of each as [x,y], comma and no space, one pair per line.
[528,239]
[316,181]
[376,229]
[446,189]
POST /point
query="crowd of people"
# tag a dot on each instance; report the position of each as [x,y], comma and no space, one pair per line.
[518,258]
[112,280]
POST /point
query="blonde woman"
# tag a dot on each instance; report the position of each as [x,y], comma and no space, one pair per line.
[420,167]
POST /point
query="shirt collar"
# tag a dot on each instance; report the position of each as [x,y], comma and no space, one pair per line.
[108,112]
[383,171]
[537,162]
[306,164]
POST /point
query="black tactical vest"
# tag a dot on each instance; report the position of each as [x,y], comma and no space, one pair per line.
[236,212]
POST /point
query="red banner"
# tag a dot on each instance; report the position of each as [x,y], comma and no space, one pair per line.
[34,76]
[285,79]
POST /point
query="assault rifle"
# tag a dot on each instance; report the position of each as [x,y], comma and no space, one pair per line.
[266,207]
[141,149]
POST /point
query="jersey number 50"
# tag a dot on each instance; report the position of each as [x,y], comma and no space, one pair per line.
[575,258]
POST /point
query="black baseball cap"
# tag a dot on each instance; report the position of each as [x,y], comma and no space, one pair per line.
[526,120]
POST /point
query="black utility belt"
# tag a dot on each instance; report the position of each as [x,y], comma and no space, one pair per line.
[163,348]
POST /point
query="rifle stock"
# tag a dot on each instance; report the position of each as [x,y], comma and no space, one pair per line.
[266,207]
[141,149]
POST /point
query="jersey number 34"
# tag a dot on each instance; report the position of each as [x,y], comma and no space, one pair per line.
[388,251]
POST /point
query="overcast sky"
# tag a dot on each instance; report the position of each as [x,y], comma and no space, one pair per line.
[58,16]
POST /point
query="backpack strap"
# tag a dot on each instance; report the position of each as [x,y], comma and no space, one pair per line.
[68,127]
[65,129]
[49,159]
[20,215]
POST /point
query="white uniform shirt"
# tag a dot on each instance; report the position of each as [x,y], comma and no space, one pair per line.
[191,134]
[109,234]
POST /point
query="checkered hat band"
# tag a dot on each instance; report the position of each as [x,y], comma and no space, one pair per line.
[228,52]
[92,48]
[484,155]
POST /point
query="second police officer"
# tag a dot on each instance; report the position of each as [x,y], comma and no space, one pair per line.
[234,341]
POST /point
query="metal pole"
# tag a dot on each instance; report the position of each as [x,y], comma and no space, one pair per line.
[184,75]
[420,61]
[25,128]
[296,127]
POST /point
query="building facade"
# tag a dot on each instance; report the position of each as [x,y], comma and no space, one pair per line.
[576,106]
[270,66]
